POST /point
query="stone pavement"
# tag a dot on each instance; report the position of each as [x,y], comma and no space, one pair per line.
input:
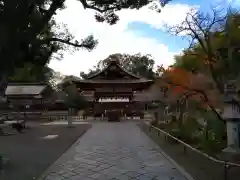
[118,150]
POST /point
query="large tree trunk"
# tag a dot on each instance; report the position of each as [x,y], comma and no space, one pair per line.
[3,84]
[180,118]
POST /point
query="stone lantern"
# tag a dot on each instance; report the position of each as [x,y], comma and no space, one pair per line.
[231,114]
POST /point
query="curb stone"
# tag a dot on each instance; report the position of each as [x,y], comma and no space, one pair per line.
[179,168]
[43,175]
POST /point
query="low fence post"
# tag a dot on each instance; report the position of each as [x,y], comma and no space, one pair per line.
[1,162]
[223,164]
[184,149]
[226,167]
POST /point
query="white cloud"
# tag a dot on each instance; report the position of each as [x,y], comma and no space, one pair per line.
[115,39]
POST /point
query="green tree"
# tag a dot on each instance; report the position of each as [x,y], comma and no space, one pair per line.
[189,61]
[214,50]
[142,65]
[73,98]
[202,70]
[91,72]
[32,73]
[28,30]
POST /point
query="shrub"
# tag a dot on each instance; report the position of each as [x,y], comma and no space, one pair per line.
[154,122]
[210,143]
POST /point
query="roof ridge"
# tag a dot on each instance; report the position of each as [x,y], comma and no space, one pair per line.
[109,64]
[27,83]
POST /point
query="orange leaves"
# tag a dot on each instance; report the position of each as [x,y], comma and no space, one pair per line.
[196,97]
[179,89]
[187,80]
[177,76]
[204,105]
[197,87]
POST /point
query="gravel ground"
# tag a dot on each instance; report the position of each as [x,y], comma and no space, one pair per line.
[30,154]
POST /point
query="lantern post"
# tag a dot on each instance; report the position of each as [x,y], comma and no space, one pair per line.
[231,114]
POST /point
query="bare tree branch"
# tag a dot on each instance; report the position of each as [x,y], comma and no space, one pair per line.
[89,43]
[199,27]
[194,91]
[94,7]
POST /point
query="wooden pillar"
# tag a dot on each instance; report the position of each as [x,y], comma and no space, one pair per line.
[69,117]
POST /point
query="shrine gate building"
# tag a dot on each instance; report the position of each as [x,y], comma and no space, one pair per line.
[113,89]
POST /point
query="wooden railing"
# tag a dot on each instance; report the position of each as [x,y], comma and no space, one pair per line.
[226,164]
[41,116]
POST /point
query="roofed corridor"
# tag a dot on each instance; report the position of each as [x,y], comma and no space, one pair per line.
[113,151]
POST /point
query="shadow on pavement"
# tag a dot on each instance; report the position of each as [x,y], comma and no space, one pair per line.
[32,152]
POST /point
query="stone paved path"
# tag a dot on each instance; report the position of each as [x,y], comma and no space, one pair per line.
[113,151]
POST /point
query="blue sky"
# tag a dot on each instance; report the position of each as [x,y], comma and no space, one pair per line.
[175,44]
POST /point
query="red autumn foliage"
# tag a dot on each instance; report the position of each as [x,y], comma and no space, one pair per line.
[178,89]
[182,82]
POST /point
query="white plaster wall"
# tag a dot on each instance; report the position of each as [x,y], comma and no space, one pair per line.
[230,113]
[232,134]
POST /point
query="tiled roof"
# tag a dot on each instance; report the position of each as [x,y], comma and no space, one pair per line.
[113,81]
[116,64]
[24,89]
